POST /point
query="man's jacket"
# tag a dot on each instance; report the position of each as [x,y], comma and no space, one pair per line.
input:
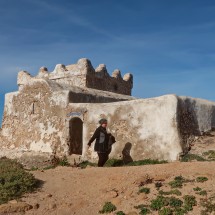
[102,138]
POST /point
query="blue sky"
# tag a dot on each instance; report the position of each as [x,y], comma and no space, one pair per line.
[168,45]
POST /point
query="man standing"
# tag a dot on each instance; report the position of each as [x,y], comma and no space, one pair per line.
[103,140]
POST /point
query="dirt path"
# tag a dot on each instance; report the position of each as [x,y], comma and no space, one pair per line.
[68,190]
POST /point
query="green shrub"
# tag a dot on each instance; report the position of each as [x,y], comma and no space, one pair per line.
[165,211]
[84,164]
[182,179]
[197,189]
[114,163]
[146,162]
[189,202]
[188,208]
[210,154]
[176,192]
[145,190]
[33,168]
[107,208]
[202,193]
[179,178]
[174,202]
[14,180]
[117,163]
[171,192]
[141,206]
[190,157]
[64,162]
[180,211]
[159,202]
[201,179]
[144,211]
[176,184]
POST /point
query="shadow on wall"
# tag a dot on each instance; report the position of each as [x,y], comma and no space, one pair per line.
[126,153]
[187,121]
[213,119]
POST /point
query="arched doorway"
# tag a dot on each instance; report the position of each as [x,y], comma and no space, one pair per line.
[75,136]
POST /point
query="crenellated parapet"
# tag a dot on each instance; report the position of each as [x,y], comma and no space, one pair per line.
[82,74]
[115,83]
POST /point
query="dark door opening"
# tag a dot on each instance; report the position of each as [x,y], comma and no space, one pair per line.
[75,136]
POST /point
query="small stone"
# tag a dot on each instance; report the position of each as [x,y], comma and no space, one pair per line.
[52,206]
[116,201]
[112,194]
[13,201]
[36,206]
[49,195]
[129,193]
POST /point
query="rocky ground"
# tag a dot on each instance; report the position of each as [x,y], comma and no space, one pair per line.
[69,190]
[204,143]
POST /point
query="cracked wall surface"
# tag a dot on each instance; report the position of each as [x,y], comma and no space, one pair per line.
[33,119]
[145,127]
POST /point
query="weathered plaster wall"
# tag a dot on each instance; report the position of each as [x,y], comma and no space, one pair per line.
[144,128]
[33,119]
[36,120]
[160,128]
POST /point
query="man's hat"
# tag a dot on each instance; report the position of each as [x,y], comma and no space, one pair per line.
[102,121]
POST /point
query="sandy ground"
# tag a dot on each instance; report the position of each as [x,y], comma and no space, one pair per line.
[75,191]
[68,190]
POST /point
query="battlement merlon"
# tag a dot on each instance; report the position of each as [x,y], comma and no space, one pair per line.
[83,74]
